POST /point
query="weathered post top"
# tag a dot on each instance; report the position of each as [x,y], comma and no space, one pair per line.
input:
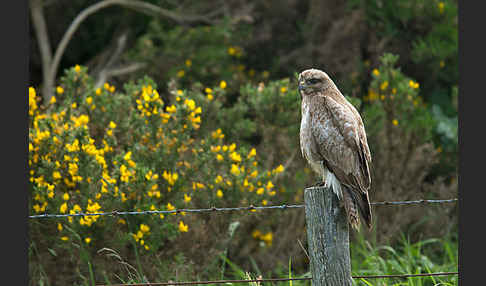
[328,238]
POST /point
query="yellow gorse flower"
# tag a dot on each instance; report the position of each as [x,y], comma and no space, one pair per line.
[256,234]
[125,174]
[63,208]
[171,109]
[144,228]
[441,6]
[413,84]
[267,238]
[219,193]
[56,175]
[32,101]
[270,185]
[80,121]
[191,104]
[170,207]
[197,185]
[235,170]
[384,85]
[59,90]
[252,153]
[218,179]
[279,169]
[222,84]
[171,178]
[235,157]
[218,134]
[187,198]
[183,227]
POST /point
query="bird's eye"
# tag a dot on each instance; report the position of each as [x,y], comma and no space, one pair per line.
[313,80]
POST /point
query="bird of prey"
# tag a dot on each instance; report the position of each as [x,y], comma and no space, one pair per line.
[333,141]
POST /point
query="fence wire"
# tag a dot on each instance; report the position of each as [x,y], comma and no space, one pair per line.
[403,276]
[215,209]
[249,208]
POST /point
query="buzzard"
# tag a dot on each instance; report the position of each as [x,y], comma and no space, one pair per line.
[333,141]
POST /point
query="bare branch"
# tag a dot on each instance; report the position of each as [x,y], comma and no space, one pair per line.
[40,27]
[120,46]
[106,74]
[133,4]
[154,10]
[126,69]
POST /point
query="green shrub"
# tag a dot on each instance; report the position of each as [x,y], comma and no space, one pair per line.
[400,128]
[99,150]
[206,54]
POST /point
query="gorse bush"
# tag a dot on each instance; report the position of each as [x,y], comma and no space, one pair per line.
[400,128]
[395,104]
[98,150]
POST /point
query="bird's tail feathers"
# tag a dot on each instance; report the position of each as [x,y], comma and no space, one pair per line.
[355,204]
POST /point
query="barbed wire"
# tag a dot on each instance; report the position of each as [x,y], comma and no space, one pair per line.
[415,202]
[215,209]
[280,279]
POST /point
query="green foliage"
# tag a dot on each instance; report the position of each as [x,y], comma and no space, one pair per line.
[405,258]
[207,54]
[430,27]
[264,110]
[395,103]
[446,128]
[429,31]
[436,50]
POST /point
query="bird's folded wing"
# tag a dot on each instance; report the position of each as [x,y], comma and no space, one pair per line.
[337,134]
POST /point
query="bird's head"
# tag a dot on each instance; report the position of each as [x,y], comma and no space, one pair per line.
[312,81]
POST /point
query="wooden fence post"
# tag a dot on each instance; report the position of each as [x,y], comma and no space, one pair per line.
[327,237]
